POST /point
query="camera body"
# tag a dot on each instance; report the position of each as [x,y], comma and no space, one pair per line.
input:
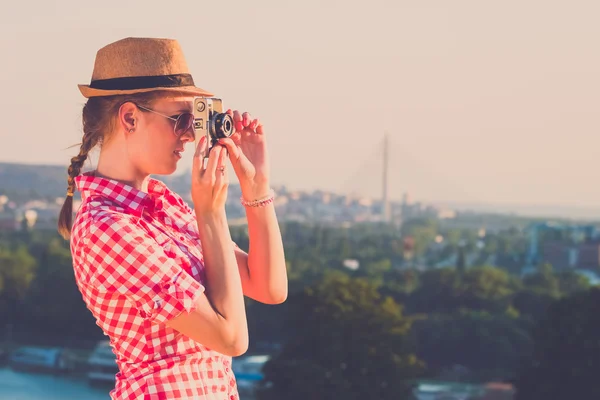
[210,120]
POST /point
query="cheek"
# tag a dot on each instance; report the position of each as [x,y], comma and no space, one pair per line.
[141,146]
[160,140]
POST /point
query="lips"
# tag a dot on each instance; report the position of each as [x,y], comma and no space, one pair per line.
[178,152]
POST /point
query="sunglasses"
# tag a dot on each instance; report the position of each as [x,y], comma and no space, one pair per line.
[183,122]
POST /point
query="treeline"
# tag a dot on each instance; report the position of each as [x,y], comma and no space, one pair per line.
[348,333]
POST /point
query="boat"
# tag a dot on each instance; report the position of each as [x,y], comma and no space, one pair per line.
[248,373]
[102,364]
[40,359]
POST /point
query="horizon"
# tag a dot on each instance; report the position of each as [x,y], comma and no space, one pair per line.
[550,211]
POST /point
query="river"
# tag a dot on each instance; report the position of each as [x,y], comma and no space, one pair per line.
[33,386]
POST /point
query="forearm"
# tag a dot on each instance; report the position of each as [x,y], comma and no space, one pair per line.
[223,288]
[266,258]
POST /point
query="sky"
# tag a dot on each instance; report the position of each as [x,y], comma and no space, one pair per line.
[482,101]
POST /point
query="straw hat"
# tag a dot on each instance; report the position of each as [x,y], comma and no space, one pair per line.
[135,65]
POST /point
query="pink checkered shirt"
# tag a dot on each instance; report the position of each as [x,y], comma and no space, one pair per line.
[138,263]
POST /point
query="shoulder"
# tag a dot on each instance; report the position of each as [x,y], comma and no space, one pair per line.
[98,215]
[178,205]
[174,198]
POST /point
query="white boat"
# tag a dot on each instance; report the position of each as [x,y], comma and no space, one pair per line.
[248,373]
[102,364]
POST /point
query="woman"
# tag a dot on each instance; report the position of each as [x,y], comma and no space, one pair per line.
[166,283]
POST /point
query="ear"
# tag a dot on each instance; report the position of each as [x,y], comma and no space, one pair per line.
[128,113]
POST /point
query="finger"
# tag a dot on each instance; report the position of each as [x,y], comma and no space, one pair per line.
[237,138]
[213,160]
[222,157]
[232,149]
[236,155]
[198,161]
[221,171]
[239,126]
[260,129]
[229,111]
[254,124]
[237,116]
[246,119]
[201,148]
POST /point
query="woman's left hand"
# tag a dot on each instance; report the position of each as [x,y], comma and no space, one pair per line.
[248,154]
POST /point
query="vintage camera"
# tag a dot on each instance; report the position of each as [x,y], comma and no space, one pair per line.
[211,121]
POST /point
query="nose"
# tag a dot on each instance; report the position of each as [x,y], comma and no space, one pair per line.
[189,135]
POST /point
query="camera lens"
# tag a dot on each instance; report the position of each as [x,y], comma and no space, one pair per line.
[223,124]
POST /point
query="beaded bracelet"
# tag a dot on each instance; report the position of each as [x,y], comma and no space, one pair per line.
[268,199]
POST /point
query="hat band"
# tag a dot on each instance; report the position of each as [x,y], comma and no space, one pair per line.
[143,82]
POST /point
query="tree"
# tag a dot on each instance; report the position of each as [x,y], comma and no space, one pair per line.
[423,230]
[488,289]
[375,270]
[539,291]
[543,281]
[571,282]
[461,262]
[566,353]
[17,271]
[401,283]
[350,343]
[53,291]
[439,292]
[489,346]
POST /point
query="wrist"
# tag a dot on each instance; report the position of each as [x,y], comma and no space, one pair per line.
[255,192]
[211,217]
[259,202]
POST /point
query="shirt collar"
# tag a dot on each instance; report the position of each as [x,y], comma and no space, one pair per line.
[125,195]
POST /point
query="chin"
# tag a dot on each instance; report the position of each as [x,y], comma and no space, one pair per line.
[165,170]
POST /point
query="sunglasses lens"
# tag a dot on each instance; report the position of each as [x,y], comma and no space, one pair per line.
[184,123]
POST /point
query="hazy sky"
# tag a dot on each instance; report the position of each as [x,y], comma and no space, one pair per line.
[489,101]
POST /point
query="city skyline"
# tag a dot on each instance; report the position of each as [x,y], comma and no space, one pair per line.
[484,103]
[549,211]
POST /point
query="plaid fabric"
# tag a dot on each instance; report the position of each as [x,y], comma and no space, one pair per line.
[138,263]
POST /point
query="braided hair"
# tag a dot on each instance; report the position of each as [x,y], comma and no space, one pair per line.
[98,118]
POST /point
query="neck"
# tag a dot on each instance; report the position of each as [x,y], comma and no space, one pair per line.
[120,169]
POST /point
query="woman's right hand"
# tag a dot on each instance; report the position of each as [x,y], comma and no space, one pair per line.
[218,319]
[209,186]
